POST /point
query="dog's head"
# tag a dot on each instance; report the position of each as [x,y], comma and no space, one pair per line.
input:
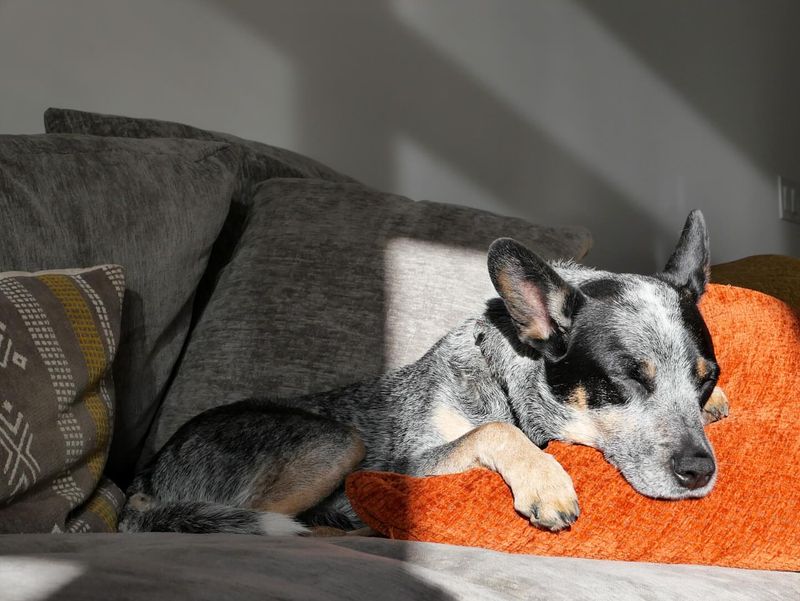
[627,357]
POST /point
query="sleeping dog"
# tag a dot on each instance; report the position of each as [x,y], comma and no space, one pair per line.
[620,362]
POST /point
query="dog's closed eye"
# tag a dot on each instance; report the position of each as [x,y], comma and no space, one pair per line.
[707,376]
[641,375]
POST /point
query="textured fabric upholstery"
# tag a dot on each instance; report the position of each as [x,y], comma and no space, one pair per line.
[776,275]
[167,566]
[258,162]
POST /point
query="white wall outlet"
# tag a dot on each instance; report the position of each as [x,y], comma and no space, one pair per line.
[788,200]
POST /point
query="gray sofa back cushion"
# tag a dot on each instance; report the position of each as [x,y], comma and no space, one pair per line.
[153,206]
[259,162]
[334,282]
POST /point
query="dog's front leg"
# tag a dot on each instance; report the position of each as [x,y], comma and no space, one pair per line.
[542,490]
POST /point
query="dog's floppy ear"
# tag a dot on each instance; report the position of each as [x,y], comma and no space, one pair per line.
[540,303]
[689,266]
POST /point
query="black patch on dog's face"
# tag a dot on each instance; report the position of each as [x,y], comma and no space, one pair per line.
[597,360]
[612,369]
[702,338]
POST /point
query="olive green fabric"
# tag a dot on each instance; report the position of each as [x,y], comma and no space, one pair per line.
[776,275]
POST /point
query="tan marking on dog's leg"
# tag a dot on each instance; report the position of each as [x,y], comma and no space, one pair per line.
[450,424]
[542,490]
[716,406]
[306,481]
[579,398]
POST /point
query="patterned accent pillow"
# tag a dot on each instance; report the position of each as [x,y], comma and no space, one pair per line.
[59,332]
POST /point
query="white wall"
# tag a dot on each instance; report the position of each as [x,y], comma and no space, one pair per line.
[618,114]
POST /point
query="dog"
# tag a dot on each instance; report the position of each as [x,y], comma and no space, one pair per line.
[620,362]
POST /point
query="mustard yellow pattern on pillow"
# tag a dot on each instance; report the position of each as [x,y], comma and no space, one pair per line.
[96,397]
[65,327]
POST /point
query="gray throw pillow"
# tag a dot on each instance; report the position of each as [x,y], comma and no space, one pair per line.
[334,282]
[155,207]
[259,162]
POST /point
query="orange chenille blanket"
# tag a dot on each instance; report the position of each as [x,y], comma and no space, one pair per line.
[750,520]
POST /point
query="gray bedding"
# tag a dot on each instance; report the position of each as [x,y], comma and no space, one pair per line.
[159,567]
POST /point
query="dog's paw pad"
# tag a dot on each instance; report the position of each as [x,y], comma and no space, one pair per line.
[716,407]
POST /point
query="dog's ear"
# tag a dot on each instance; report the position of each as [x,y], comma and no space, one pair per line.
[689,266]
[540,303]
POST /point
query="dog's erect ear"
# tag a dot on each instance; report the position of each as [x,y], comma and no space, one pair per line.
[539,301]
[689,266]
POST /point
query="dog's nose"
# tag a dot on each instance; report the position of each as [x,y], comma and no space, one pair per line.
[693,467]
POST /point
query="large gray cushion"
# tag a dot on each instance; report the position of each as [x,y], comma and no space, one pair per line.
[153,206]
[162,567]
[335,282]
[258,162]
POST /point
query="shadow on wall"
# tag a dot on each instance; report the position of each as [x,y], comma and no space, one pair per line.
[741,81]
[743,40]
[365,78]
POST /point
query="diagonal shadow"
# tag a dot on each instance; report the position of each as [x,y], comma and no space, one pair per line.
[413,90]
[706,54]
[735,67]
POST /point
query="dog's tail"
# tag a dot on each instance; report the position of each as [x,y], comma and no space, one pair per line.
[143,513]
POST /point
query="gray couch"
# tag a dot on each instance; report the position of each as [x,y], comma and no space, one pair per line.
[254,270]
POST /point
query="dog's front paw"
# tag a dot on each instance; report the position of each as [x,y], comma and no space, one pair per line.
[546,495]
[716,406]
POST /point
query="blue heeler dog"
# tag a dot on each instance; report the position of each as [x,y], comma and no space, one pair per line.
[620,362]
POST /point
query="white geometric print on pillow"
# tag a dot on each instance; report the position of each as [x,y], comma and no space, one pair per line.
[17,358]
[20,467]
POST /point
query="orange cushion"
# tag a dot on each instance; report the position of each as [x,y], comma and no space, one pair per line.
[750,520]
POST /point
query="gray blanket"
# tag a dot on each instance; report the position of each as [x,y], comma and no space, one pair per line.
[158,567]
